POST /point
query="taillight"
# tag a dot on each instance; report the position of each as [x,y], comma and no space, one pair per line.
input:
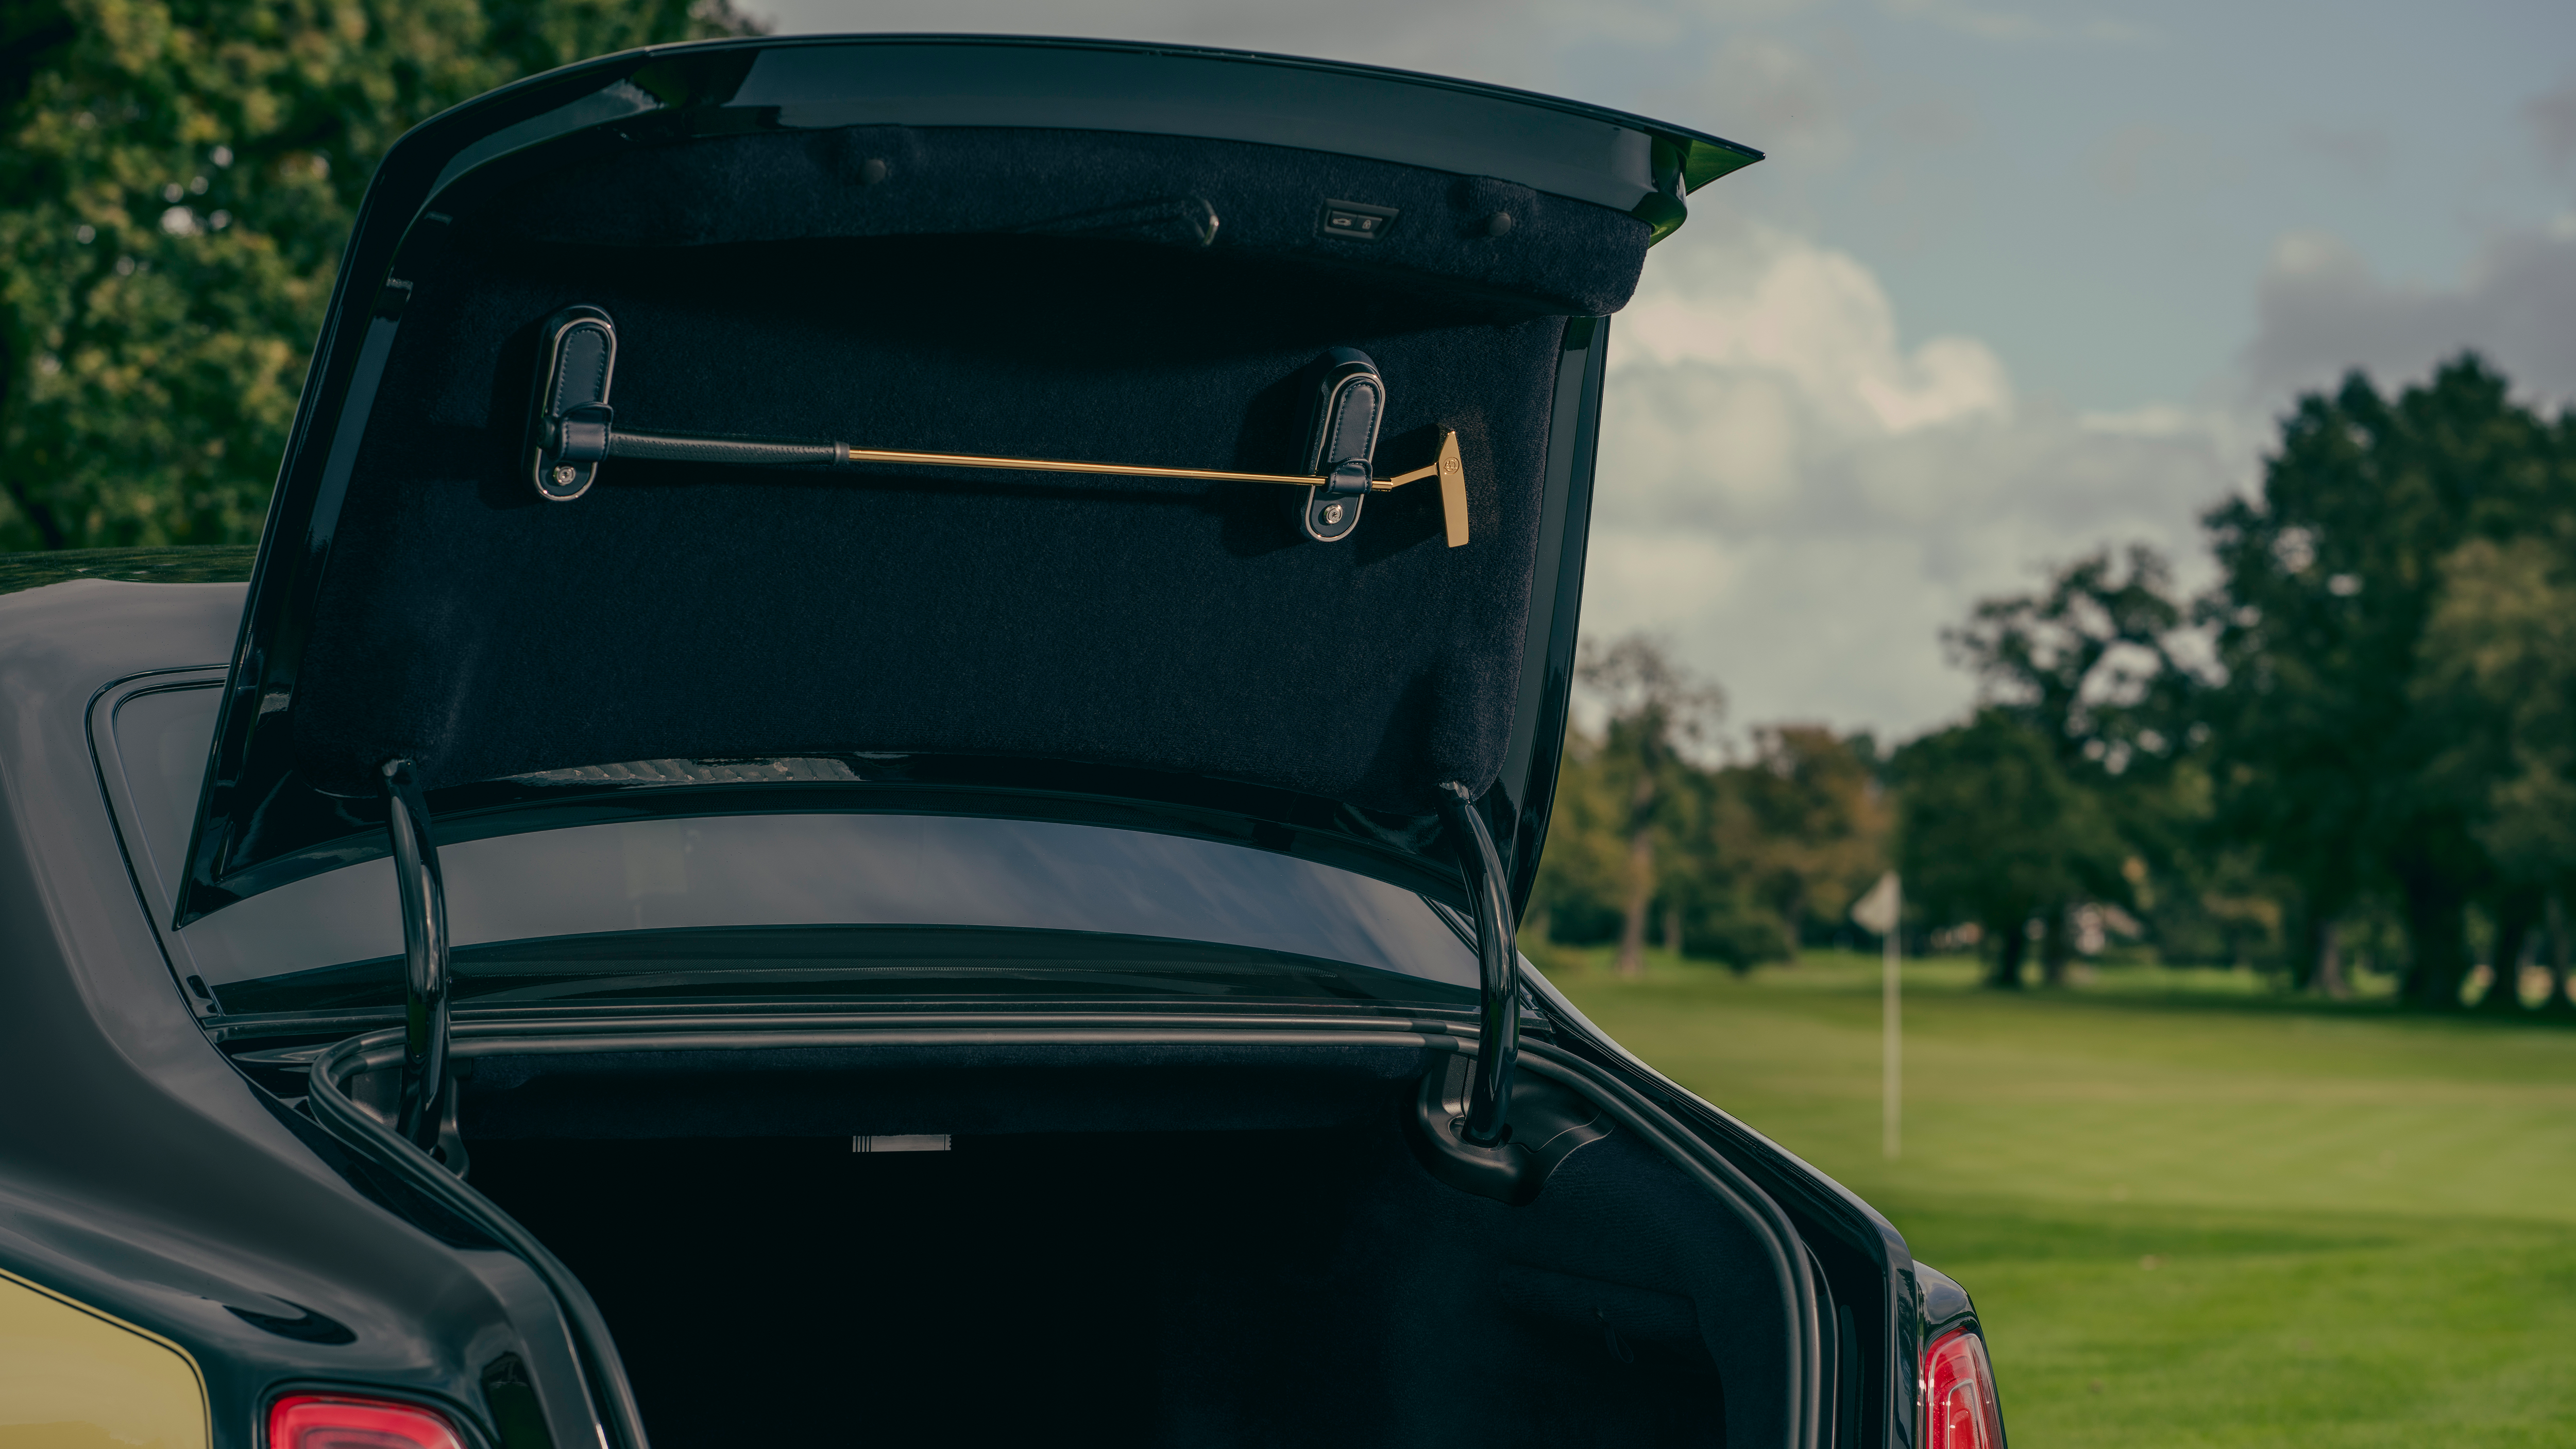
[339,1421]
[1959,1407]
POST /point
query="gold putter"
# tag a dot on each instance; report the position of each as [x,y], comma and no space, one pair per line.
[572,430]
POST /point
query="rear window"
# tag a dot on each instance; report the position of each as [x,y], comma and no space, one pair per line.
[796,904]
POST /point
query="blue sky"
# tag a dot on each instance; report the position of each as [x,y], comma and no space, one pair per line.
[2017,281]
[2094,192]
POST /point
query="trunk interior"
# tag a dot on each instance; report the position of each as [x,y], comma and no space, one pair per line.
[1152,1246]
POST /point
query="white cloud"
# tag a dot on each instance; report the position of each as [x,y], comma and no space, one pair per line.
[1800,499]
[2321,310]
[1759,300]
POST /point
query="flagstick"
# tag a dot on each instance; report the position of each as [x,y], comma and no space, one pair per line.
[1892,1033]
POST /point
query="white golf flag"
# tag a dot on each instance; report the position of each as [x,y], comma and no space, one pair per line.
[1877,911]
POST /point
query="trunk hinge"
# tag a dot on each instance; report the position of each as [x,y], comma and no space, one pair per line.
[1472,1128]
[425,1112]
[1498,993]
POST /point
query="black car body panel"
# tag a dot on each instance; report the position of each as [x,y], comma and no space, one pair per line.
[141,1173]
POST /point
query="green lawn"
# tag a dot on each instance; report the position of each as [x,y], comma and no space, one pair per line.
[2191,1213]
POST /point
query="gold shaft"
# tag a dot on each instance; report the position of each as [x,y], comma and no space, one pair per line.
[1446,467]
[1054,465]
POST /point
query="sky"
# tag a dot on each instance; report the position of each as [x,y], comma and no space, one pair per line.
[2015,283]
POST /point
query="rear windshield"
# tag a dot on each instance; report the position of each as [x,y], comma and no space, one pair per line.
[797,905]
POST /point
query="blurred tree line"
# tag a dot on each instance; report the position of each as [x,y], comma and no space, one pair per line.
[2355,749]
[1654,837]
[177,178]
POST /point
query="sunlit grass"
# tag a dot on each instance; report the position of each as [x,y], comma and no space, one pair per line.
[2192,1212]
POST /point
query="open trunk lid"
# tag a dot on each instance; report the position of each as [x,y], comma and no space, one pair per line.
[1150,258]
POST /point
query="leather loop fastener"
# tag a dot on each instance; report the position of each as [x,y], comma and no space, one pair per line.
[1341,448]
[582,435]
[569,425]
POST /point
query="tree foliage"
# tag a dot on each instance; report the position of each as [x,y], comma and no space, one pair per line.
[1995,831]
[177,178]
[2360,741]
[2089,662]
[2088,666]
[1805,824]
[1735,861]
[2353,755]
[1658,714]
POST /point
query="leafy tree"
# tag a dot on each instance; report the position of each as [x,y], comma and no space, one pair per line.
[1658,715]
[177,178]
[1992,830]
[1582,880]
[1742,856]
[2327,580]
[1708,893]
[1810,833]
[2089,664]
[2497,685]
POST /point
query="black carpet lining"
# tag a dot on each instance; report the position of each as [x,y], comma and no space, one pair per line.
[762,288]
[1285,1285]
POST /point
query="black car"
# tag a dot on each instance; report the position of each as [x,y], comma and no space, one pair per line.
[871,787]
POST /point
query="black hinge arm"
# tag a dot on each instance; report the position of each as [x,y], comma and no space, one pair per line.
[1489,1090]
[423,1106]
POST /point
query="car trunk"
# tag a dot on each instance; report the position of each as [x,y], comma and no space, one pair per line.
[981,429]
[1140,1244]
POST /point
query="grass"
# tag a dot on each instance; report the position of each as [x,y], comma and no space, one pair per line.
[2191,1213]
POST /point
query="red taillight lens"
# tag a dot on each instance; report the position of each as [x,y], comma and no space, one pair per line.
[337,1421]
[1959,1407]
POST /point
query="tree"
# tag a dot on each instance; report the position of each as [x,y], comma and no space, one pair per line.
[1811,830]
[1991,829]
[1582,879]
[1657,714]
[2090,661]
[2497,684]
[1700,898]
[1708,887]
[2090,665]
[2327,580]
[177,178]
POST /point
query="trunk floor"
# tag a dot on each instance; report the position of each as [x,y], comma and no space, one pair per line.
[1143,1288]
